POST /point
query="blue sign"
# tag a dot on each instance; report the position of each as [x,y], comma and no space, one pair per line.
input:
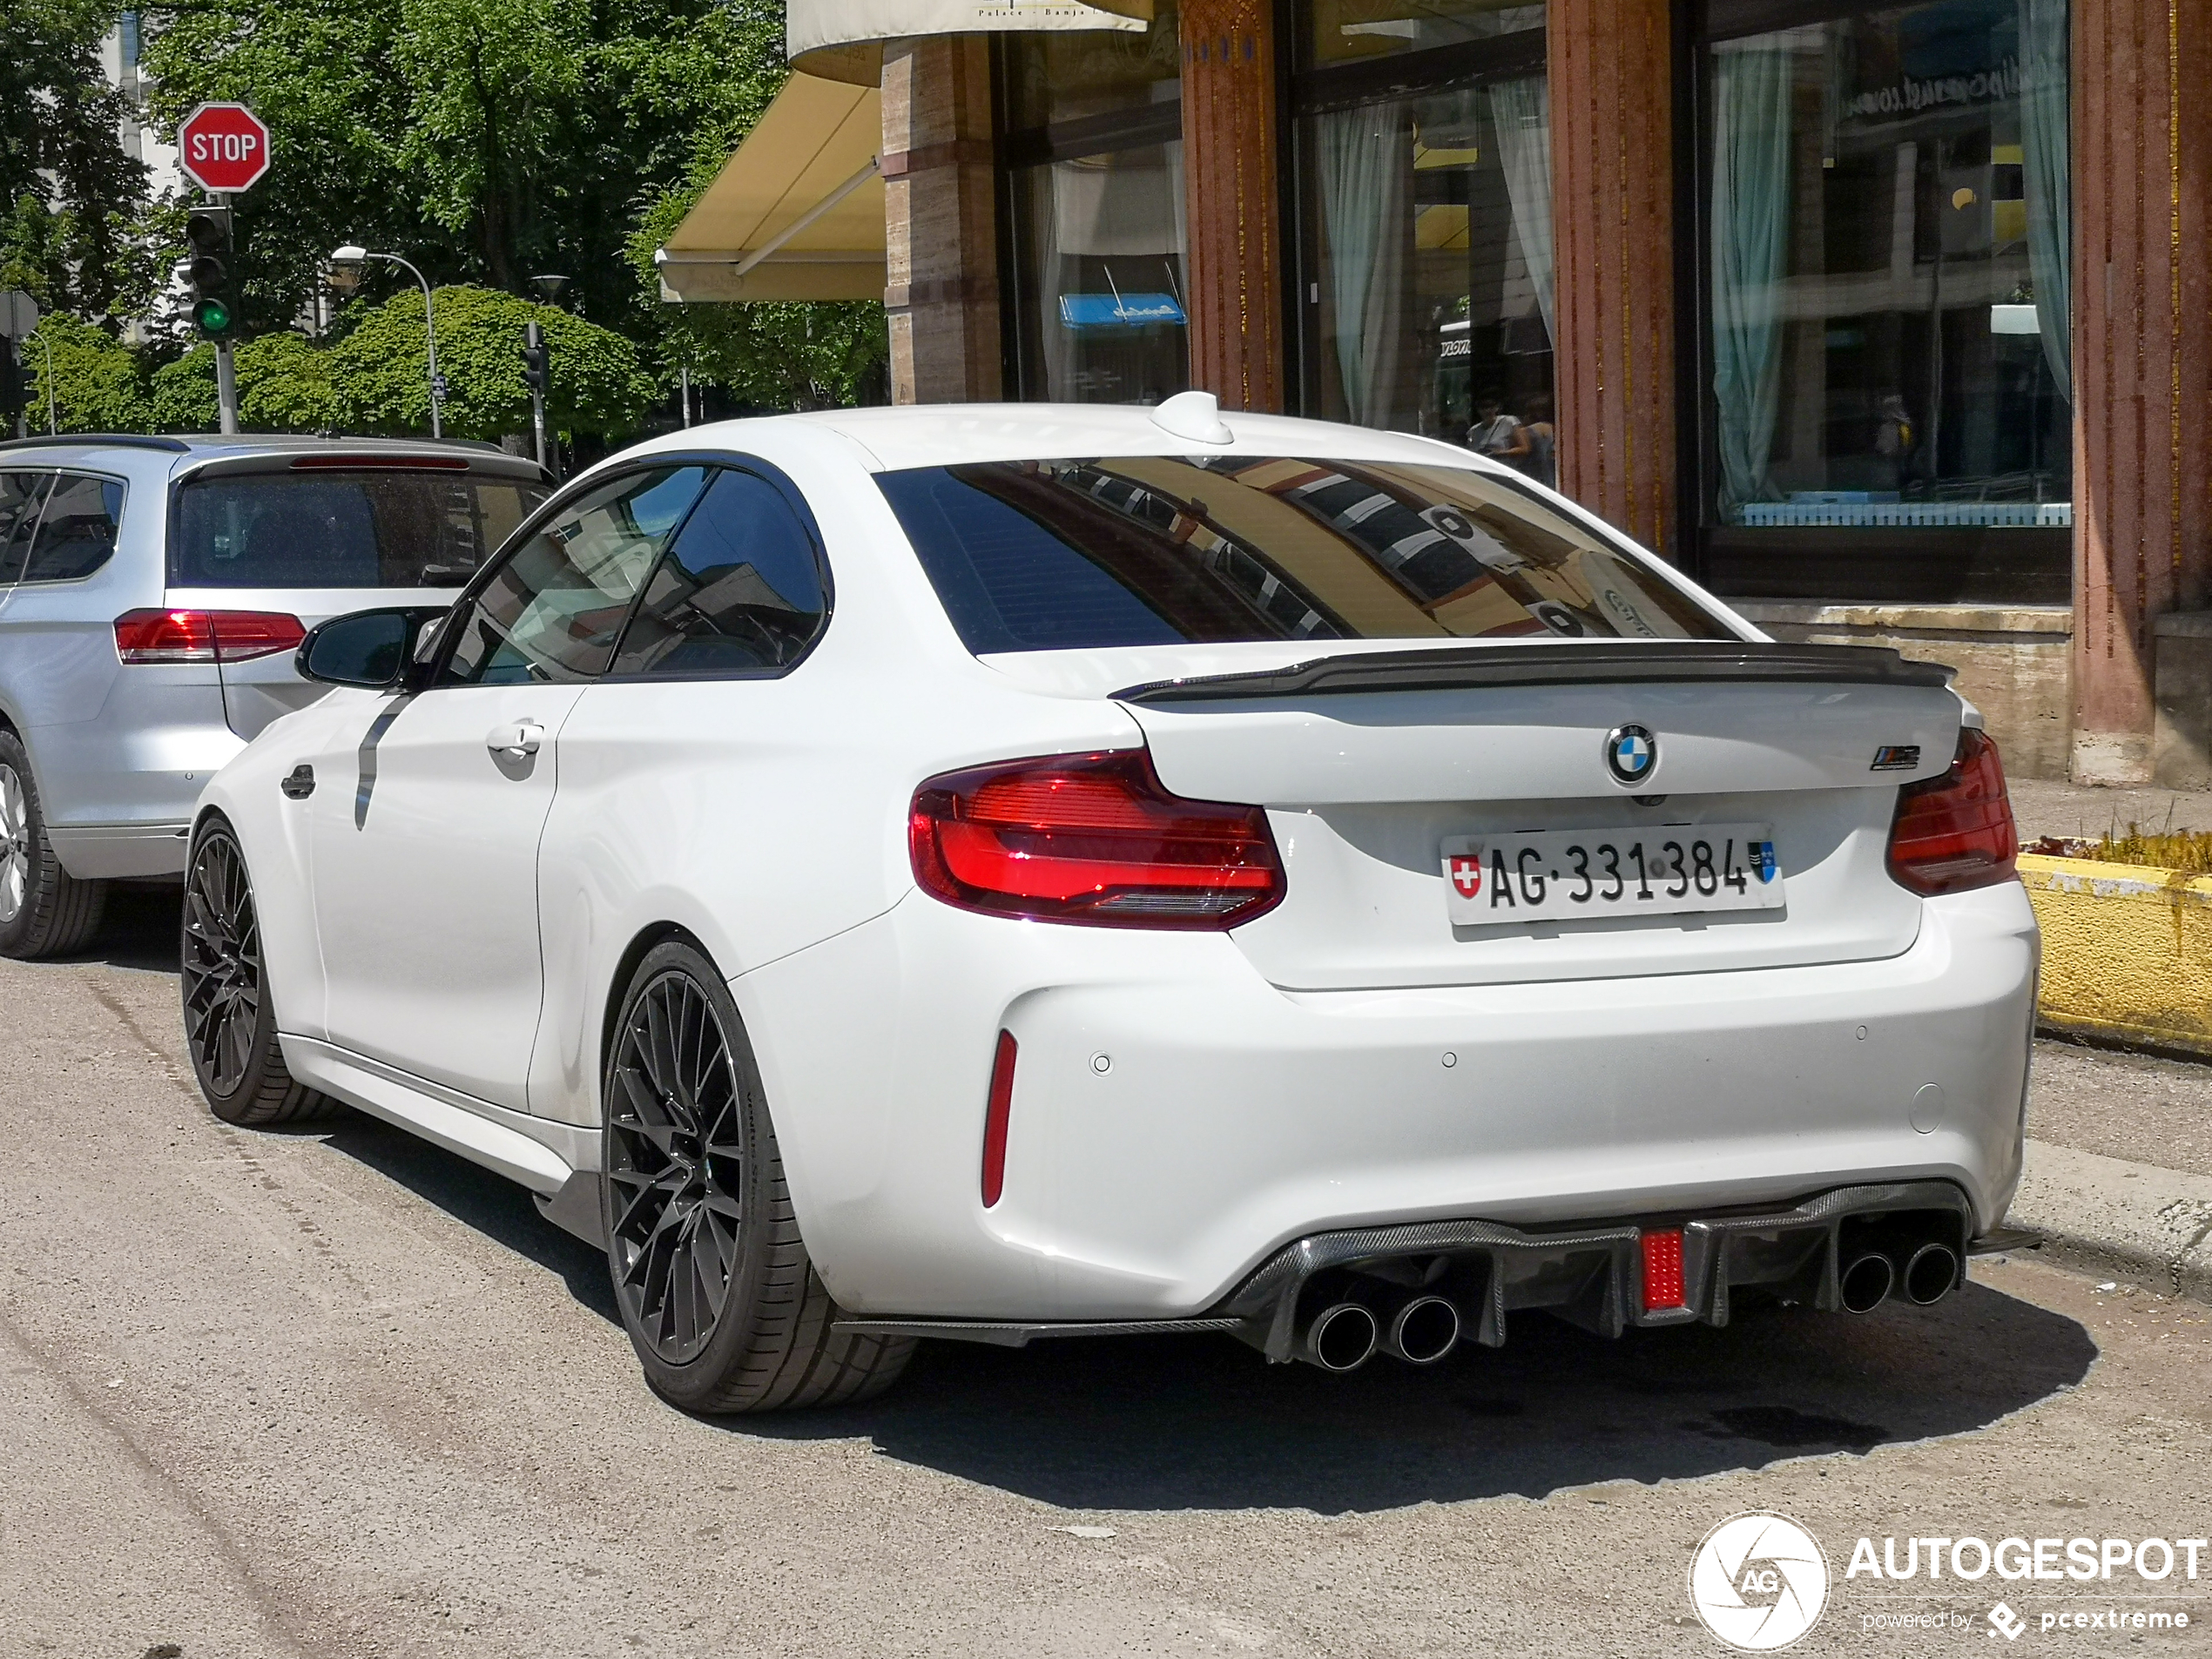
[1119,311]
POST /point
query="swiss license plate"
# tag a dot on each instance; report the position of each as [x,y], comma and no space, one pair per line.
[1550,875]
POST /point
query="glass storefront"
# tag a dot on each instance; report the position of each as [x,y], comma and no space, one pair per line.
[1887,283]
[1093,205]
[1422,168]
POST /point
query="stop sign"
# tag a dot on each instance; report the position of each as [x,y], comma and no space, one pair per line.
[223,146]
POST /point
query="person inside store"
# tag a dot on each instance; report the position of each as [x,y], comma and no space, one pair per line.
[1497,435]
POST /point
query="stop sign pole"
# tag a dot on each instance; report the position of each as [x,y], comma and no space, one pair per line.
[224,148]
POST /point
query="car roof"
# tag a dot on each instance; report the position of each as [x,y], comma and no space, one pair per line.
[193,449]
[950,434]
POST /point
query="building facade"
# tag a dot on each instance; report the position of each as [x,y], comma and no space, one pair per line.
[1891,322]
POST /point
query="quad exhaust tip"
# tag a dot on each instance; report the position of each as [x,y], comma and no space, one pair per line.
[1865,1283]
[1422,1332]
[1343,1337]
[1930,1275]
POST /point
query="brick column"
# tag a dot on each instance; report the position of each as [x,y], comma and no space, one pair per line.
[2142,360]
[940,221]
[1231,202]
[1614,217]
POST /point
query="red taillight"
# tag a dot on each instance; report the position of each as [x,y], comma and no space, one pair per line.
[1955,832]
[1093,838]
[995,1111]
[1663,1286]
[204,636]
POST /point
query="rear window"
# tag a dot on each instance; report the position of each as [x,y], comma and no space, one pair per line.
[1153,550]
[372,528]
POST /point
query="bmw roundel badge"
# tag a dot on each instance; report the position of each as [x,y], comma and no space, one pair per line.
[1631,753]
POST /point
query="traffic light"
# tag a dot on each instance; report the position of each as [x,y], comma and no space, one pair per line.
[537,359]
[211,271]
[15,385]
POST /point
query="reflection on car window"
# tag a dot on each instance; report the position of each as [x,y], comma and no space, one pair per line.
[388,528]
[1061,554]
[554,610]
[739,592]
[20,493]
[76,533]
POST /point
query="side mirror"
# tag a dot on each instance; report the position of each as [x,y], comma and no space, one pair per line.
[373,649]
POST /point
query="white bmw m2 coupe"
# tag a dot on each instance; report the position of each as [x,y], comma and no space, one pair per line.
[1005,872]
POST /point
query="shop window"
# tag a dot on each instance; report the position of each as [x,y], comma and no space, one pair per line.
[1423,176]
[1092,203]
[1887,280]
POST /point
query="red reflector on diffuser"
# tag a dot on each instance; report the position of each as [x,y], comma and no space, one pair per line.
[996,1112]
[1663,1286]
[204,636]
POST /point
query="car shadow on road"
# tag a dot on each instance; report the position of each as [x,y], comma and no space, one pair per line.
[495,1206]
[1205,1423]
[139,928]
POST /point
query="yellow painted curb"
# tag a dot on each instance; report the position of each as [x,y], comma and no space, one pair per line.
[2127,950]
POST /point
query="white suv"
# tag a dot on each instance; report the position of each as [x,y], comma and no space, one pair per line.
[153,590]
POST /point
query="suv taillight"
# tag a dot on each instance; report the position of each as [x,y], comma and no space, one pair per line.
[1955,832]
[1093,839]
[204,636]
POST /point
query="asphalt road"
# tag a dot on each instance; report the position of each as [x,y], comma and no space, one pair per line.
[338,1393]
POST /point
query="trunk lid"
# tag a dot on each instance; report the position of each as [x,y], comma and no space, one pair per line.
[1371,762]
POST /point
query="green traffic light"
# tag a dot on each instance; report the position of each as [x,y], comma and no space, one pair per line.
[211,317]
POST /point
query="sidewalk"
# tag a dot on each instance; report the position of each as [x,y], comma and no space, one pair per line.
[2118,1179]
[2041,807]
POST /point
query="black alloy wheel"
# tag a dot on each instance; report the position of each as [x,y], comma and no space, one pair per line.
[676,1160]
[230,1027]
[718,1293]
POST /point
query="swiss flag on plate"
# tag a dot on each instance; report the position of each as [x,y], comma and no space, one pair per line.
[1467,872]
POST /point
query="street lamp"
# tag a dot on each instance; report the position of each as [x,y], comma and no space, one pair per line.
[344,276]
[550,286]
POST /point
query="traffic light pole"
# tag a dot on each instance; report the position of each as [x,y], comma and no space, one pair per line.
[225,372]
[225,389]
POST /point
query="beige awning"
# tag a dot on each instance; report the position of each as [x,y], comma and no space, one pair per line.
[843,40]
[796,213]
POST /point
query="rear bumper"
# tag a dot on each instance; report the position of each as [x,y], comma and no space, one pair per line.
[1176,1120]
[1592,1275]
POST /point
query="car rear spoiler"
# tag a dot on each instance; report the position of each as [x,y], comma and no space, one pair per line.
[1625,663]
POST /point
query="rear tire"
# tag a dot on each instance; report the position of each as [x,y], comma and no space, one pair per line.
[230,1019]
[717,1292]
[44,911]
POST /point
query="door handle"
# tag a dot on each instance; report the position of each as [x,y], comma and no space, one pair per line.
[300,784]
[516,741]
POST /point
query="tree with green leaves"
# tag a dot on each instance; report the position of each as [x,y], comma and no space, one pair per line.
[490,141]
[379,382]
[70,196]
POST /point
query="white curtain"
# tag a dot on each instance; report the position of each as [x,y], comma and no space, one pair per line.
[1521,111]
[1750,252]
[1367,211]
[2047,147]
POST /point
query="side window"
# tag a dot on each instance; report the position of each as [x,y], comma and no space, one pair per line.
[77,532]
[19,497]
[555,608]
[740,591]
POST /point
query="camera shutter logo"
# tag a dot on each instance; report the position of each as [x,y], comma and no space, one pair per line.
[1758,1583]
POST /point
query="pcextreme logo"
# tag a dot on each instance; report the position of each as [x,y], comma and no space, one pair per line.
[1758,1581]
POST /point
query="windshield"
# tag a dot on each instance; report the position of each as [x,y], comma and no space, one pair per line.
[383,527]
[1151,550]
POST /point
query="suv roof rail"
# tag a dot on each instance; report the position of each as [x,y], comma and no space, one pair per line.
[128,440]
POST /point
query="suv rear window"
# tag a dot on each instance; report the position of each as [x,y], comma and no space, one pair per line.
[1165,550]
[331,528]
